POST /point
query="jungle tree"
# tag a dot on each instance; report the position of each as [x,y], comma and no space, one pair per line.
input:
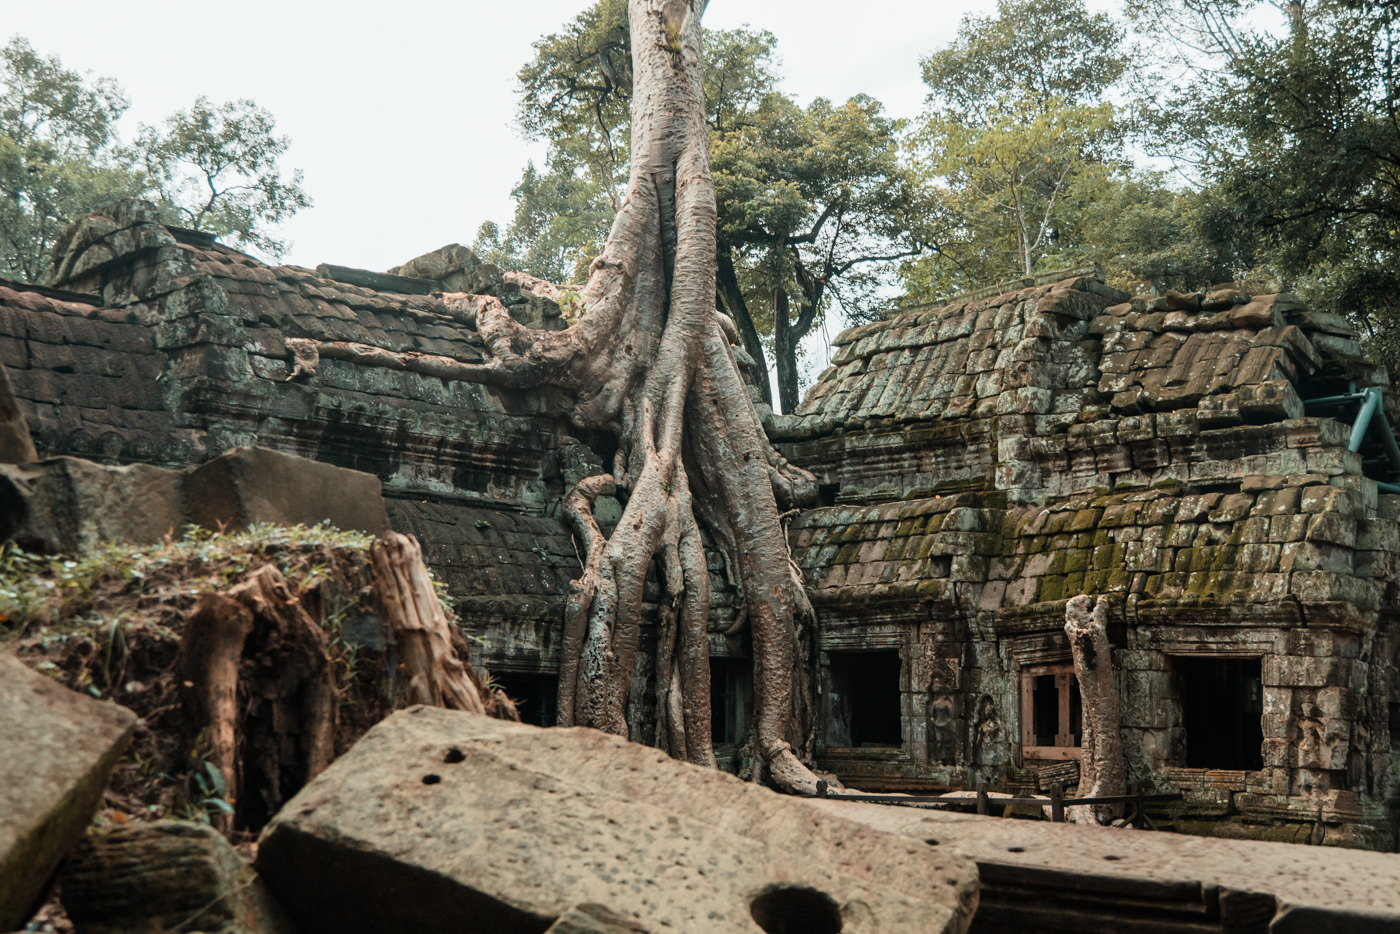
[649,359]
[813,201]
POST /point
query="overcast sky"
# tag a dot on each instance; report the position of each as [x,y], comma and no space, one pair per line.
[401,114]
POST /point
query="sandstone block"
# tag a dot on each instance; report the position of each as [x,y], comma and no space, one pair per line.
[248,485]
[67,504]
[483,825]
[57,748]
[166,876]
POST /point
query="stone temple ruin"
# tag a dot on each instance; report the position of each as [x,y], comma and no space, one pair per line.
[1220,466]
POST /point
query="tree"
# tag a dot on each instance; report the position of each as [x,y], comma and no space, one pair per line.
[814,204]
[649,360]
[1017,137]
[812,201]
[57,155]
[216,168]
[1298,130]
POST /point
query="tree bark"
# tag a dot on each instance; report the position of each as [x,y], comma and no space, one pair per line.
[259,689]
[434,675]
[1101,766]
[649,359]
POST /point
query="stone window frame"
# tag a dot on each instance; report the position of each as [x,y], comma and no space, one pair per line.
[1063,670]
[1173,651]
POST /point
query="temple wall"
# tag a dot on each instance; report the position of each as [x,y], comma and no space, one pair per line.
[1186,457]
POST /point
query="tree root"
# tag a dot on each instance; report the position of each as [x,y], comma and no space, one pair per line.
[258,683]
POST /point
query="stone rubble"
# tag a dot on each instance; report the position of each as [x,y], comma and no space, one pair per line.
[57,748]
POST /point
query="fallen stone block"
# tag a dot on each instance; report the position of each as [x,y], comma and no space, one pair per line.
[248,485]
[68,505]
[480,825]
[57,749]
[165,876]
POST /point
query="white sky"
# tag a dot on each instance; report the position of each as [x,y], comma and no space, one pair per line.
[401,114]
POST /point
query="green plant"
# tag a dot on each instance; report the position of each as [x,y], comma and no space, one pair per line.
[210,793]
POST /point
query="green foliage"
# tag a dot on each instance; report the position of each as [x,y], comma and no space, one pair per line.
[812,201]
[216,168]
[1298,132]
[209,796]
[1022,156]
[815,204]
[57,154]
[211,167]
[48,588]
[1031,51]
[575,93]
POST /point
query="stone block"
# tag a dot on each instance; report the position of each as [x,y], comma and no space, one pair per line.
[57,748]
[1304,671]
[249,485]
[67,504]
[513,826]
[165,876]
[16,446]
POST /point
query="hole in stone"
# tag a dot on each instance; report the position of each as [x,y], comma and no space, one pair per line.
[454,755]
[931,842]
[790,910]
[1015,849]
[1113,857]
[431,779]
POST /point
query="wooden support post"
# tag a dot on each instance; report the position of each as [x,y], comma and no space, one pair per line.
[1057,802]
[983,806]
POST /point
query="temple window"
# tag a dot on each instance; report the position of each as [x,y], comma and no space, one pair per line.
[1051,714]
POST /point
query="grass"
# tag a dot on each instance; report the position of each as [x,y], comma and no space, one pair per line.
[77,590]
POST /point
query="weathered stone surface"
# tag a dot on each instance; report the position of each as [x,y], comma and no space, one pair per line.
[249,485]
[165,876]
[1055,877]
[68,504]
[56,751]
[505,827]
[16,446]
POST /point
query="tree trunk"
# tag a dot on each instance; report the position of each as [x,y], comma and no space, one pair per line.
[418,625]
[258,685]
[728,282]
[649,359]
[1101,767]
[785,353]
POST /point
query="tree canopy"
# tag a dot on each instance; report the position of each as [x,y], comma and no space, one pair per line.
[57,153]
[212,167]
[1024,153]
[1296,142]
[217,169]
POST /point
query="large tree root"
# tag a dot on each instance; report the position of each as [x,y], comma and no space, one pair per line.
[649,360]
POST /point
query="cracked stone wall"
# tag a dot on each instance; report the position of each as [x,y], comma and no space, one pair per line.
[987,460]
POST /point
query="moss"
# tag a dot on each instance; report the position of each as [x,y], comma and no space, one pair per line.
[1119,579]
[1077,561]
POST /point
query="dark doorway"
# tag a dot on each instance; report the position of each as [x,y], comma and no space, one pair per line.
[536,696]
[864,697]
[731,700]
[1222,702]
